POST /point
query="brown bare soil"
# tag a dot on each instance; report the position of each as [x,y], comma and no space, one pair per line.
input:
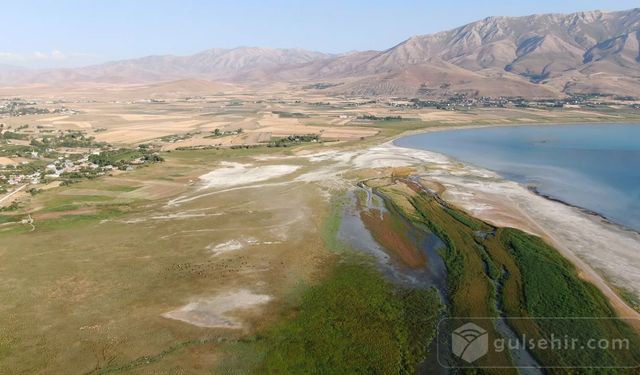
[382,229]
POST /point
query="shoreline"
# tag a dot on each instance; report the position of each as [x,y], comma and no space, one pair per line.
[586,211]
[578,236]
[441,128]
[533,189]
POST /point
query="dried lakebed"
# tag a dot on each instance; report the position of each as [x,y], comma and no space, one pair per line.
[195,260]
[483,193]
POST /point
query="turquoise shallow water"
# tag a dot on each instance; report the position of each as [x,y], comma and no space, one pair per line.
[596,167]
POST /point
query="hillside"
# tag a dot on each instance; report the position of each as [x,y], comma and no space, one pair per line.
[540,55]
[547,54]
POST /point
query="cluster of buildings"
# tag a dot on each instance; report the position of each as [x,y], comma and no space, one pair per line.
[20,179]
[462,101]
[62,165]
[22,173]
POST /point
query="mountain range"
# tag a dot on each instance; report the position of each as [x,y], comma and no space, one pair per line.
[546,55]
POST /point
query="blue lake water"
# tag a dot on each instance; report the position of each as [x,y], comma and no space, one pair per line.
[596,167]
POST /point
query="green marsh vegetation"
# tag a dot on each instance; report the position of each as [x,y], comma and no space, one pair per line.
[536,282]
[354,321]
[630,297]
[351,321]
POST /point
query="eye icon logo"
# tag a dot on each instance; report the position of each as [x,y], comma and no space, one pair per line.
[469,342]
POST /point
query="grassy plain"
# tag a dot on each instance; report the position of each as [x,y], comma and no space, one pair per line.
[86,287]
[86,291]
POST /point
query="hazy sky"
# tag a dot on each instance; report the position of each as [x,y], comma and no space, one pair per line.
[71,33]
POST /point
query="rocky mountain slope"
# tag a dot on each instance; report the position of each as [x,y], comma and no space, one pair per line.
[539,55]
[548,54]
[216,64]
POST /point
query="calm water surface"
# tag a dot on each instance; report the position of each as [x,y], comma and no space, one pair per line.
[596,167]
